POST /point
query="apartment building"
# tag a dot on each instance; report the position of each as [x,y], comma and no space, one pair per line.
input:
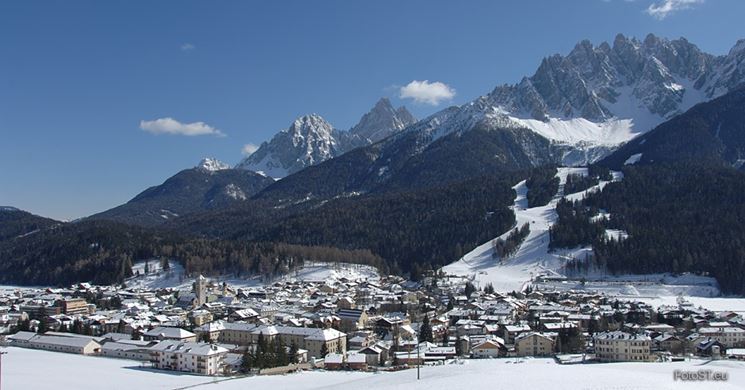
[198,358]
[623,347]
[534,344]
[75,306]
[729,336]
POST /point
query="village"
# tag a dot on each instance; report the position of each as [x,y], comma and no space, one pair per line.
[383,323]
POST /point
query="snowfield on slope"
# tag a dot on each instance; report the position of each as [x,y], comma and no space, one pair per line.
[533,257]
[41,370]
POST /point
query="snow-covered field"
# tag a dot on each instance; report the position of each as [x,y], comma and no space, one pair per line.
[310,272]
[39,370]
[533,257]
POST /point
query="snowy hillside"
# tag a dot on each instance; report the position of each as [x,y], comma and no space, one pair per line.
[533,258]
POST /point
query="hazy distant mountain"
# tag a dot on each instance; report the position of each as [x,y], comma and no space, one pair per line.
[18,223]
[211,184]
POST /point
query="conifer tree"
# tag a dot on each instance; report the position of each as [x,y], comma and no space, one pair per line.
[292,356]
[425,331]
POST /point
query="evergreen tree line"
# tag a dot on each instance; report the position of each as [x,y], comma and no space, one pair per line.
[542,186]
[680,217]
[595,173]
[599,171]
[104,252]
[402,232]
[269,354]
[504,248]
[576,183]
[413,231]
[574,226]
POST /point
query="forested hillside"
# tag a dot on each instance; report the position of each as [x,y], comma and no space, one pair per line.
[103,252]
[14,223]
[411,230]
[680,217]
[400,231]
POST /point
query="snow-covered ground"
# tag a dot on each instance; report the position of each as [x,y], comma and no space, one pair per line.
[40,370]
[310,272]
[156,277]
[533,257]
[633,159]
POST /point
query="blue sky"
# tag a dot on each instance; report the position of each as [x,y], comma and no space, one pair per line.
[78,78]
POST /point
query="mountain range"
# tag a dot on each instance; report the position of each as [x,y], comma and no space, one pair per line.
[574,110]
[310,139]
[419,193]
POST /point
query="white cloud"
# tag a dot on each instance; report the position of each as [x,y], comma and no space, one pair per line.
[426,92]
[187,47]
[172,126]
[664,8]
[248,149]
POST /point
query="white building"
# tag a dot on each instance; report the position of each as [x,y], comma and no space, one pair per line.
[199,358]
[486,349]
[729,336]
[623,347]
[169,333]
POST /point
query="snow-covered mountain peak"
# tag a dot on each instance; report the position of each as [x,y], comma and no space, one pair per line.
[598,97]
[311,129]
[310,140]
[212,165]
[738,49]
[608,94]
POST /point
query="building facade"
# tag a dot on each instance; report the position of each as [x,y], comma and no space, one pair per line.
[623,347]
[534,344]
[198,358]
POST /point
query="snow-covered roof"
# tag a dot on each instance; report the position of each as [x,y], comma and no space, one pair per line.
[188,348]
[618,335]
[169,332]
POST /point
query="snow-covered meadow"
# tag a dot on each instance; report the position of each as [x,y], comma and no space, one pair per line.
[40,370]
